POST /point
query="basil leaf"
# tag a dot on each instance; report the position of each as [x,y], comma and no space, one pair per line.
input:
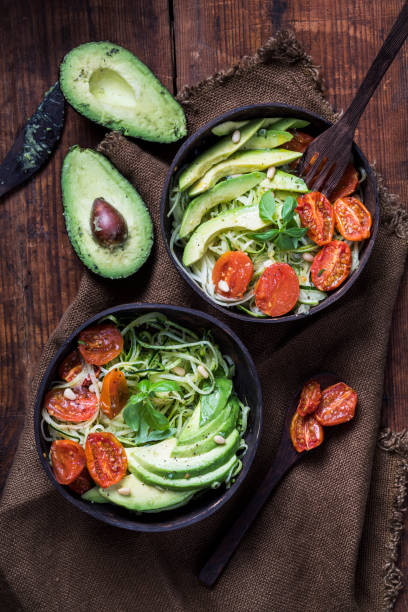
[144,385]
[164,386]
[296,232]
[288,208]
[267,206]
[216,401]
[154,418]
[269,235]
[284,242]
[154,435]
[131,415]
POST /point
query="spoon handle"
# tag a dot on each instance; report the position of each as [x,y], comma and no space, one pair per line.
[378,68]
[285,458]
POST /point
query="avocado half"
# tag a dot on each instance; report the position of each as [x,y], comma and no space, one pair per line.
[111,86]
[86,176]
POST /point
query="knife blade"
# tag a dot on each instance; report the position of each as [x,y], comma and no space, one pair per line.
[35,141]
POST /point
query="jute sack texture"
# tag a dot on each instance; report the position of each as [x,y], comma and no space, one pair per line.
[303,553]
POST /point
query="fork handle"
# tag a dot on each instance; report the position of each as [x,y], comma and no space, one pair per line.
[380,65]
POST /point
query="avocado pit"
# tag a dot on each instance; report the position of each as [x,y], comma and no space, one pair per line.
[108,225]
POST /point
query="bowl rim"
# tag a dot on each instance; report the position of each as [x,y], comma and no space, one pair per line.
[333,297]
[193,516]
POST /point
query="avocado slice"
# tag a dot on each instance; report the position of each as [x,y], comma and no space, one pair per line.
[224,191]
[229,421]
[111,86]
[143,497]
[288,182]
[214,402]
[227,127]
[285,124]
[193,483]
[210,428]
[243,161]
[94,496]
[270,140]
[192,425]
[86,177]
[246,218]
[215,154]
[158,458]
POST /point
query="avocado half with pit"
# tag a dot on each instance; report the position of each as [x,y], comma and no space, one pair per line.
[109,85]
[106,219]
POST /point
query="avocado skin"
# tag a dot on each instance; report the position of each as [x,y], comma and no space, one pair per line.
[83,173]
[158,117]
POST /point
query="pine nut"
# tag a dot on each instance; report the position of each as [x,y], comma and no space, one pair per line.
[202,371]
[219,439]
[124,491]
[236,137]
[92,388]
[223,286]
[178,371]
[270,173]
[69,394]
[308,257]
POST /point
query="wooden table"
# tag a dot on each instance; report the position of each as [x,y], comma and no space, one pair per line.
[182,42]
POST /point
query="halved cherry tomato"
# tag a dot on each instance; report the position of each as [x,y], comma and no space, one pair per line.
[235,269]
[338,405]
[68,460]
[316,213]
[353,220]
[331,266]
[100,343]
[309,398]
[115,393]
[306,433]
[277,290]
[72,366]
[347,184]
[82,483]
[82,408]
[105,458]
[299,143]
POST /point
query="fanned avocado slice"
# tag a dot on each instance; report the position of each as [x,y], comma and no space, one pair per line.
[224,191]
[227,127]
[111,86]
[284,181]
[269,140]
[222,149]
[286,123]
[243,161]
[246,218]
[88,176]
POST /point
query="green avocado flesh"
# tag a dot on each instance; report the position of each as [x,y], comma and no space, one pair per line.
[224,191]
[111,86]
[246,218]
[288,182]
[222,149]
[243,161]
[94,496]
[86,176]
[269,140]
[222,129]
[285,124]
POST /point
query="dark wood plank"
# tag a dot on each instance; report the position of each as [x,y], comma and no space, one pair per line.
[343,39]
[38,269]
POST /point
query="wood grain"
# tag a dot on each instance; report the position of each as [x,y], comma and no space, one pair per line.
[39,271]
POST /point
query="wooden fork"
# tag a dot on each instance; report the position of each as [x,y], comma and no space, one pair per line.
[325,159]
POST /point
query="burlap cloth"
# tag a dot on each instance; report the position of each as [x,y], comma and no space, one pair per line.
[318,545]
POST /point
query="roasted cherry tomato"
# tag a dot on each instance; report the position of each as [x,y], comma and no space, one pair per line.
[352,219]
[338,405]
[347,184]
[309,398]
[316,213]
[82,483]
[232,273]
[277,290]
[68,460]
[105,458]
[299,143]
[82,408]
[331,266]
[115,393]
[306,433]
[72,366]
[100,343]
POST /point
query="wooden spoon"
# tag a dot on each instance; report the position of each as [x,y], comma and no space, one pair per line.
[285,458]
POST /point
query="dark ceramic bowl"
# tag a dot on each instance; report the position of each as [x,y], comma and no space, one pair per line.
[246,383]
[203,138]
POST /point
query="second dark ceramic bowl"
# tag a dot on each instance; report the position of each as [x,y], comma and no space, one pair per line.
[203,138]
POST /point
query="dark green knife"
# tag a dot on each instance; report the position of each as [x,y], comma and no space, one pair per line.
[35,142]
